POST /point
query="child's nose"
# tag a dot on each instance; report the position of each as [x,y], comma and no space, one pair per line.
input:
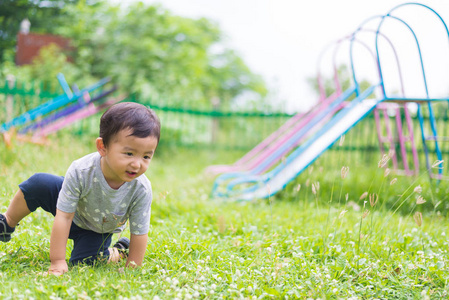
[135,164]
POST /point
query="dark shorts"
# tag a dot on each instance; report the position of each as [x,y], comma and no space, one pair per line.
[42,190]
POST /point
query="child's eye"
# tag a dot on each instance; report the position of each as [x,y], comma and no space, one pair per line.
[128,154]
[147,157]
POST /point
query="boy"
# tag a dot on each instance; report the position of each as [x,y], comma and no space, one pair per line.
[99,193]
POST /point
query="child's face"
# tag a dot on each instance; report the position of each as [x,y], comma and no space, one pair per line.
[126,157]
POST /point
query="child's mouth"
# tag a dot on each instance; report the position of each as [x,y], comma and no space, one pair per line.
[131,174]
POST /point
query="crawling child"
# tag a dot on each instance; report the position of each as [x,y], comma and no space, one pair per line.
[98,194]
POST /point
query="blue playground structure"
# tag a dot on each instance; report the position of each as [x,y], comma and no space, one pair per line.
[253,184]
[59,108]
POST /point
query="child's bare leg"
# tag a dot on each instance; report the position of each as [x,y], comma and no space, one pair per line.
[17,209]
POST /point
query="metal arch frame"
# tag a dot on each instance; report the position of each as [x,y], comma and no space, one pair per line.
[420,116]
[414,35]
[407,115]
[336,44]
[319,78]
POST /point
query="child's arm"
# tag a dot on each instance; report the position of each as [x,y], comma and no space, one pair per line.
[137,247]
[58,242]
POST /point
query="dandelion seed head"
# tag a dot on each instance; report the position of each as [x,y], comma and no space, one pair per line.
[373,198]
[344,172]
[418,189]
[269,189]
[437,163]
[311,170]
[418,218]
[343,212]
[383,161]
[420,200]
[391,153]
[365,214]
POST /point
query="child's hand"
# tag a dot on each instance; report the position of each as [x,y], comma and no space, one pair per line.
[58,267]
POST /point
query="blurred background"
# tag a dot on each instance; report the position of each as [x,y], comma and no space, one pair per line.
[220,74]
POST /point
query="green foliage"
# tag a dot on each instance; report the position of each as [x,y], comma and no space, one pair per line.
[299,245]
[43,14]
[46,66]
[149,51]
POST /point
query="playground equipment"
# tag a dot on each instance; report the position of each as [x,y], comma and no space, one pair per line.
[60,111]
[272,149]
[250,185]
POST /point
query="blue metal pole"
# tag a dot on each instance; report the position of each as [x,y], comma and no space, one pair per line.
[420,116]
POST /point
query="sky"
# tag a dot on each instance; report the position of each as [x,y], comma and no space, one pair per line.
[288,41]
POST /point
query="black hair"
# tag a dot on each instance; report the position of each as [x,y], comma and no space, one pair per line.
[141,120]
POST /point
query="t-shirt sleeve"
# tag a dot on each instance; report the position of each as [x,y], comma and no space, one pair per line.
[140,214]
[70,192]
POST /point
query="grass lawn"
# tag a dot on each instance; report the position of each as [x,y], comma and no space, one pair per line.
[303,243]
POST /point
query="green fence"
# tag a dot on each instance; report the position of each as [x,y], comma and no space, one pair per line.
[216,129]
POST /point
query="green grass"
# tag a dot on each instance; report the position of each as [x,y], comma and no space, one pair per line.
[299,244]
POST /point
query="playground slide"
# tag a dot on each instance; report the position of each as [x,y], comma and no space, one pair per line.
[50,106]
[68,110]
[266,185]
[297,135]
[89,110]
[273,142]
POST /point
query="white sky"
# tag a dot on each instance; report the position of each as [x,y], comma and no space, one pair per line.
[282,39]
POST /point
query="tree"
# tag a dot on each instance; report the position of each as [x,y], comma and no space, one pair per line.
[41,13]
[149,51]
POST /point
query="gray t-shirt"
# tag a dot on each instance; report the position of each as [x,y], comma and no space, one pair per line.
[100,208]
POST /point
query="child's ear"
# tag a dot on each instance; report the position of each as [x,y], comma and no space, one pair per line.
[100,146]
